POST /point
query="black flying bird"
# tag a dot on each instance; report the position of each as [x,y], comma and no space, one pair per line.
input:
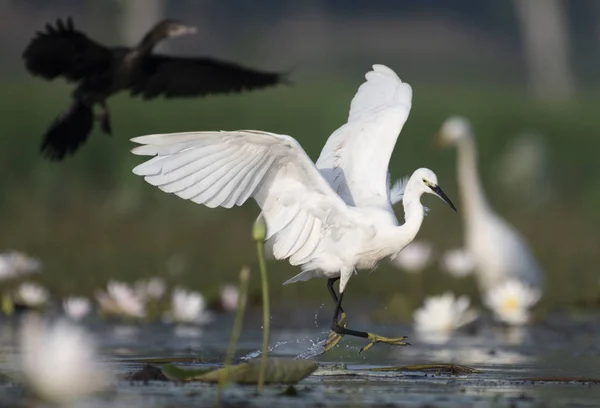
[99,72]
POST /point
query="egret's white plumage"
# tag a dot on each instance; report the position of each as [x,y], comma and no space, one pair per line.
[332,217]
[499,251]
[356,156]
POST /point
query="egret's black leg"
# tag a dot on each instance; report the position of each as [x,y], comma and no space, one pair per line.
[339,330]
[330,283]
[335,326]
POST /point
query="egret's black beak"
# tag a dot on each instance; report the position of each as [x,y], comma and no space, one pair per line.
[440,193]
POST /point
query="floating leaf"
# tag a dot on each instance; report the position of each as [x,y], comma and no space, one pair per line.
[278,371]
[444,368]
[175,373]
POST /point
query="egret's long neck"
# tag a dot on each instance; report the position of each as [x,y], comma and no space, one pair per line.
[472,196]
[413,217]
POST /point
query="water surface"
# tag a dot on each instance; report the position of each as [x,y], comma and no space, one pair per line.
[540,365]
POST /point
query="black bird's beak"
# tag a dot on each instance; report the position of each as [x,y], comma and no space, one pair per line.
[183,30]
[440,193]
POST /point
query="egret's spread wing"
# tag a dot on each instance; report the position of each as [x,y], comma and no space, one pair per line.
[356,156]
[173,77]
[61,50]
[223,169]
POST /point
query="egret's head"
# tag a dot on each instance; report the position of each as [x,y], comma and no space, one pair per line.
[170,28]
[427,182]
[453,130]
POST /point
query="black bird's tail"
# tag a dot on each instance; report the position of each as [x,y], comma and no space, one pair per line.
[68,132]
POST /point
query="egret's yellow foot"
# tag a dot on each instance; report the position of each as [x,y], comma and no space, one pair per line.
[334,338]
[398,341]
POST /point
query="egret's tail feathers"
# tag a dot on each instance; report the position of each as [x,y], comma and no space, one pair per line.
[301,277]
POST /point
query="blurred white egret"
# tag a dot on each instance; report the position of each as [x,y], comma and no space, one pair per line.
[441,315]
[59,361]
[332,218]
[511,301]
[499,251]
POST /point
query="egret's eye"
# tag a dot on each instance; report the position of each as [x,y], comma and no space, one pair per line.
[425,181]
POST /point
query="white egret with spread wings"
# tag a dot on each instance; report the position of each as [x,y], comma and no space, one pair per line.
[331,218]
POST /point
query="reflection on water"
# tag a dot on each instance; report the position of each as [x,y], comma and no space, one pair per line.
[557,348]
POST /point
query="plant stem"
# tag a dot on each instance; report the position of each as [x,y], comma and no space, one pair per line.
[259,232]
[237,327]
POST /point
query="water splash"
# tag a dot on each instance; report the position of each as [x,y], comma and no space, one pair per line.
[257,353]
[317,348]
[317,314]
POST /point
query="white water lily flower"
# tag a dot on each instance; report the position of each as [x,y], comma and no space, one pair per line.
[415,257]
[59,362]
[121,299]
[31,294]
[230,295]
[14,263]
[443,314]
[188,307]
[76,307]
[512,300]
[153,288]
[458,262]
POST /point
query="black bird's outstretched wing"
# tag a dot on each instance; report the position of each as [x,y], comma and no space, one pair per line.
[63,51]
[69,131]
[172,77]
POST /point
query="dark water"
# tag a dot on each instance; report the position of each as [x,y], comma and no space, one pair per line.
[513,362]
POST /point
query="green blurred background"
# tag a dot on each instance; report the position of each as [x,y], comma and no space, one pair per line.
[90,219]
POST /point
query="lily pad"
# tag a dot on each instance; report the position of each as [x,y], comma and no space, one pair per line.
[177,373]
[278,371]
